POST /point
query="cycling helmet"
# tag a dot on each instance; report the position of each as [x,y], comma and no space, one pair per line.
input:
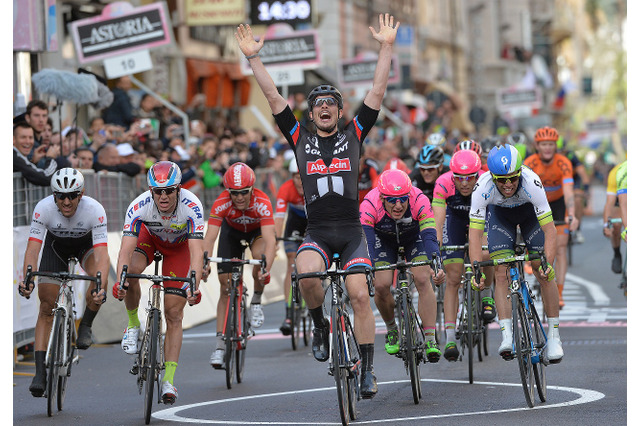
[436,139]
[293,166]
[469,144]
[546,134]
[239,176]
[465,162]
[430,155]
[394,183]
[516,138]
[67,180]
[396,163]
[324,89]
[164,174]
[504,160]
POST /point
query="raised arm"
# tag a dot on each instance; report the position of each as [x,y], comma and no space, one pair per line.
[250,48]
[386,37]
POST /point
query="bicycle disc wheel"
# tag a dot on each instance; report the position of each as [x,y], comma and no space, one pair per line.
[63,378]
[539,368]
[522,340]
[296,321]
[409,340]
[55,360]
[338,360]
[150,364]
[241,347]
[471,308]
[230,343]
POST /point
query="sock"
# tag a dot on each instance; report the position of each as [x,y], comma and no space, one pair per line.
[88,316]
[40,358]
[219,341]
[169,371]
[134,321]
[367,356]
[450,330]
[317,316]
[430,334]
[257,298]
[506,329]
[616,252]
[554,331]
[391,325]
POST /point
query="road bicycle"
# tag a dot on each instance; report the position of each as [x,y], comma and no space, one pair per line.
[237,326]
[529,337]
[470,327]
[61,348]
[412,338]
[439,291]
[300,316]
[345,359]
[623,281]
[149,361]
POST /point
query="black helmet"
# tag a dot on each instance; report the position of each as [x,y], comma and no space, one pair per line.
[430,155]
[324,89]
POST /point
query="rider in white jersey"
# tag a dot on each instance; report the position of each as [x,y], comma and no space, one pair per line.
[512,196]
[65,224]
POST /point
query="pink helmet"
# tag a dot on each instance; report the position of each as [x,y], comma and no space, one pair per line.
[465,162]
[394,183]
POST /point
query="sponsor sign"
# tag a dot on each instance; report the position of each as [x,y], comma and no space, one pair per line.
[299,49]
[128,30]
[360,71]
[227,12]
[510,99]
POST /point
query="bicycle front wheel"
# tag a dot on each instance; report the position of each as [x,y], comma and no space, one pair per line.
[539,367]
[471,323]
[70,350]
[410,339]
[296,323]
[55,360]
[241,347]
[230,339]
[440,333]
[149,363]
[522,338]
[353,357]
[339,364]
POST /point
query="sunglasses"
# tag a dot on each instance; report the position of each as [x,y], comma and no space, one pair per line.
[63,196]
[430,168]
[237,192]
[393,200]
[464,178]
[329,101]
[168,191]
[505,179]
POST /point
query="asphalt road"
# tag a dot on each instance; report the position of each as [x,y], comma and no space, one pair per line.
[282,386]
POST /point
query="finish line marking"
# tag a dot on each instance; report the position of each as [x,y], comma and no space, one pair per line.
[170,414]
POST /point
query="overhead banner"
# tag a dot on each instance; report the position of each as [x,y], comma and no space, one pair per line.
[360,71]
[119,30]
[214,12]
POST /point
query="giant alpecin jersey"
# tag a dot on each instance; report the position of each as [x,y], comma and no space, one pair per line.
[329,167]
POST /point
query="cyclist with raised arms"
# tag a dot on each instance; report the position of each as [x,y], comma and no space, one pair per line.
[395,214]
[168,219]
[451,204]
[65,224]
[241,212]
[512,195]
[329,166]
[290,203]
[556,172]
[429,165]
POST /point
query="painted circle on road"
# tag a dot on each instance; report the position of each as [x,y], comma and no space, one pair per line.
[171,414]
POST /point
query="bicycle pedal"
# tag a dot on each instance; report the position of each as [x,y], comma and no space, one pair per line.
[134,370]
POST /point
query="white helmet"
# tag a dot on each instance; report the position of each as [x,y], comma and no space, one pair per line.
[67,180]
[293,166]
[436,139]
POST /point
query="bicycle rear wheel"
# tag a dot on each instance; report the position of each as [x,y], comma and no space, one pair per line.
[230,343]
[241,347]
[55,360]
[339,364]
[63,378]
[539,367]
[149,364]
[522,338]
[306,326]
[411,350]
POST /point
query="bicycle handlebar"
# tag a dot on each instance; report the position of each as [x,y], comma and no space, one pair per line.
[62,276]
[458,247]
[338,272]
[511,259]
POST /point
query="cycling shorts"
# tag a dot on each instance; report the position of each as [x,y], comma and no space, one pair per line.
[296,226]
[175,259]
[503,223]
[55,253]
[230,246]
[454,233]
[346,238]
[558,210]
[386,251]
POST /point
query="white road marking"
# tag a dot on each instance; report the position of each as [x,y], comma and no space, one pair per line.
[170,414]
[598,295]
